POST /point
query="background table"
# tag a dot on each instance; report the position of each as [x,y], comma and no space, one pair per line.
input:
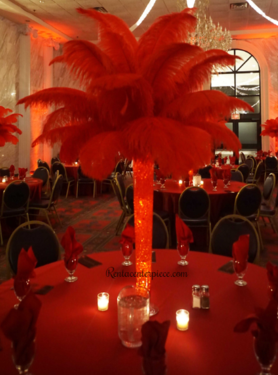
[73,337]
[35,186]
[221,199]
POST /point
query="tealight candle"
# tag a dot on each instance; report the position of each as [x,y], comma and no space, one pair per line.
[76,163]
[180,182]
[182,317]
[3,179]
[202,183]
[102,301]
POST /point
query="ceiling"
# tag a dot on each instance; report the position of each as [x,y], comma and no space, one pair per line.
[60,15]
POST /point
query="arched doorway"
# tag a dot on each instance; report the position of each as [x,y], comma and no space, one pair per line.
[244,82]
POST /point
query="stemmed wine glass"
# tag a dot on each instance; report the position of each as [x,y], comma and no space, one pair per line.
[24,361]
[21,288]
[265,352]
[226,180]
[127,251]
[240,267]
[183,249]
[162,181]
[214,184]
[71,265]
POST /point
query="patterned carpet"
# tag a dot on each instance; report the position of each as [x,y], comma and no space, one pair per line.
[95,221]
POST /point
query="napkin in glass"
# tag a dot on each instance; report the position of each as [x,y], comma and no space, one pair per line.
[26,264]
[241,252]
[184,234]
[72,248]
[127,239]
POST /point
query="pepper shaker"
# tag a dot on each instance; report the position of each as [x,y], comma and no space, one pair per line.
[205,297]
[196,297]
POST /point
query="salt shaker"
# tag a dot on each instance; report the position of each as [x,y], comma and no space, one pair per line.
[196,297]
[205,297]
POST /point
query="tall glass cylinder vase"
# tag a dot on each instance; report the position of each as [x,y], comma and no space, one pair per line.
[143,212]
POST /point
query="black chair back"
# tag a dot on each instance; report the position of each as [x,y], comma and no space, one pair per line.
[227,231]
[118,193]
[236,175]
[43,174]
[204,172]
[57,166]
[44,164]
[248,200]
[43,240]
[5,172]
[16,195]
[57,188]
[129,198]
[271,163]
[250,164]
[260,169]
[194,203]
[269,186]
[120,166]
[244,169]
[120,180]
[53,160]
[242,156]
[160,233]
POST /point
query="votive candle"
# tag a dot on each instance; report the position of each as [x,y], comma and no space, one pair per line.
[180,182]
[102,301]
[182,317]
[202,183]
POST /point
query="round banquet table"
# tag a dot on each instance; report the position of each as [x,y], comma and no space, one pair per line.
[221,199]
[73,337]
[72,170]
[35,186]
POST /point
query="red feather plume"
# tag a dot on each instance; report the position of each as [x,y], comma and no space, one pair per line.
[7,126]
[270,128]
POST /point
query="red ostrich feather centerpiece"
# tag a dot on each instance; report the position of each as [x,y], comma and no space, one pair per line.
[144,100]
[270,128]
[7,126]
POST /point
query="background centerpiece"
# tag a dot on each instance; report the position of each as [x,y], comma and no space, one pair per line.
[141,99]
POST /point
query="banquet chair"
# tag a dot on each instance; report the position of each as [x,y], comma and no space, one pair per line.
[4,172]
[58,166]
[257,175]
[53,160]
[84,180]
[15,202]
[160,238]
[194,208]
[37,235]
[271,165]
[270,211]
[49,206]
[123,204]
[227,231]
[44,164]
[119,168]
[250,164]
[268,188]
[247,203]
[255,161]
[236,175]
[204,172]
[244,169]
[242,157]
[43,174]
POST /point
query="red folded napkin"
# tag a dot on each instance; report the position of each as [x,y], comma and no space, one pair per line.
[26,264]
[241,252]
[227,173]
[154,336]
[219,161]
[184,234]
[265,335]
[19,326]
[12,169]
[127,240]
[213,173]
[72,248]
[272,275]
[232,160]
[22,172]
[225,159]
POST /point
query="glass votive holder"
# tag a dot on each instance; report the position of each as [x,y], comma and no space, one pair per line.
[102,301]
[202,183]
[182,317]
[180,182]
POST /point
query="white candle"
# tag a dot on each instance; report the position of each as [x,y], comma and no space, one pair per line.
[102,301]
[3,179]
[182,317]
[76,163]
[180,182]
[202,183]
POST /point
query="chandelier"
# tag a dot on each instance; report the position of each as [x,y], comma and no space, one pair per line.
[207,35]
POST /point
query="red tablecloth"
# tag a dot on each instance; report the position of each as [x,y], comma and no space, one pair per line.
[35,186]
[219,199]
[73,337]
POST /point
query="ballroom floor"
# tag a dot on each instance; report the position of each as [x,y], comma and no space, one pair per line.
[94,221]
